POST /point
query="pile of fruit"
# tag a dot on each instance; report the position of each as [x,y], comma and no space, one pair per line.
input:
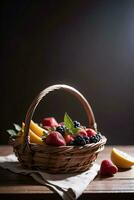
[51,132]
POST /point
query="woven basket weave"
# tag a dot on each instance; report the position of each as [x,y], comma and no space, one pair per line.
[62,159]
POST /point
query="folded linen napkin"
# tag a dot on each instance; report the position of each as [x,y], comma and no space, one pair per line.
[68,186]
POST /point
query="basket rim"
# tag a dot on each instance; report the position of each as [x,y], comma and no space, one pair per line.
[103,140]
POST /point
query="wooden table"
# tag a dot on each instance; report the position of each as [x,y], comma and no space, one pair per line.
[120,186]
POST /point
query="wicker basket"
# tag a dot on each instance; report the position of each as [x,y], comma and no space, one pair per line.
[62,159]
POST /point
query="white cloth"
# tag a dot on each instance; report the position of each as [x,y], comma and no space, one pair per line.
[68,186]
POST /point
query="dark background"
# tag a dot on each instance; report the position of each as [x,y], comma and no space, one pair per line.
[86,44]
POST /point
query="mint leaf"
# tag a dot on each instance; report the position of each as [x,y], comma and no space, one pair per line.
[11,132]
[68,122]
[75,130]
[17,127]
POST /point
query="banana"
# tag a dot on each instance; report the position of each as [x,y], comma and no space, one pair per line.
[37,129]
[33,137]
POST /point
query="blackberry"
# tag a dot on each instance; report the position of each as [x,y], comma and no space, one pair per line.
[76,124]
[79,141]
[87,140]
[72,143]
[98,135]
[60,129]
[93,139]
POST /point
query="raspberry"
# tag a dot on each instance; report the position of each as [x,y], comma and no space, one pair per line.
[81,132]
[69,139]
[107,168]
[90,132]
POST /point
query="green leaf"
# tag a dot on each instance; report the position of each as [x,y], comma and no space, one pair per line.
[17,127]
[75,130]
[11,132]
[68,122]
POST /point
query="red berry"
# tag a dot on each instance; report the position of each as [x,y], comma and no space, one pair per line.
[50,122]
[90,132]
[107,168]
[61,124]
[68,138]
[82,132]
[55,138]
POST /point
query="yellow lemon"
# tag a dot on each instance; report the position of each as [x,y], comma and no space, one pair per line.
[121,159]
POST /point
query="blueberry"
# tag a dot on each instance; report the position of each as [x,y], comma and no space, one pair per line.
[60,129]
[76,124]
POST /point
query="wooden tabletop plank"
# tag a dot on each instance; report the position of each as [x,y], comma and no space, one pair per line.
[120,183]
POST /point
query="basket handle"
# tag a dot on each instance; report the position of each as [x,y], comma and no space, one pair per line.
[43,93]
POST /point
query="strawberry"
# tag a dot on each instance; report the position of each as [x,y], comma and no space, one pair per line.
[55,138]
[90,132]
[82,132]
[107,168]
[68,138]
[61,124]
[50,122]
